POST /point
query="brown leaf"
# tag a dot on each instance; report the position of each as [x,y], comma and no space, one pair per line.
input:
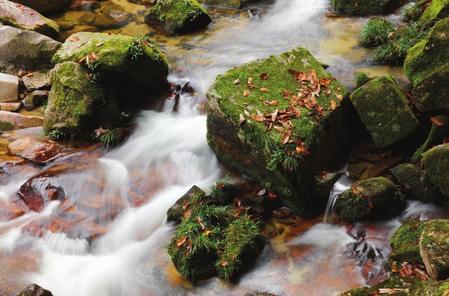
[200,222]
[257,118]
[264,89]
[207,232]
[181,241]
[264,76]
[437,121]
[246,93]
[274,115]
[272,103]
[333,105]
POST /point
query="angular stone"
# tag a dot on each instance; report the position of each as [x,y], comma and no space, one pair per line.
[383,109]
[25,18]
[16,120]
[11,107]
[35,99]
[193,196]
[37,80]
[436,165]
[25,50]
[9,88]
[434,248]
[35,150]
[178,16]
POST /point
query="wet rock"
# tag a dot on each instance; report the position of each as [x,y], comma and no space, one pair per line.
[39,190]
[436,165]
[84,5]
[434,248]
[178,16]
[69,112]
[427,67]
[365,7]
[35,99]
[258,126]
[35,150]
[383,109]
[236,4]
[16,120]
[370,199]
[125,58]
[37,80]
[25,50]
[414,183]
[45,6]
[438,132]
[9,88]
[111,16]
[11,107]
[34,290]
[436,10]
[25,18]
[193,196]
[405,242]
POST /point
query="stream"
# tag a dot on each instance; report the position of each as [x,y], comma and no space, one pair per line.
[111,238]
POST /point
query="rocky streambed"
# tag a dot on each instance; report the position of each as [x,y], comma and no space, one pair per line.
[176,147]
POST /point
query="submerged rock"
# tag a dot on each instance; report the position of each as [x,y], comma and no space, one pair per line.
[178,16]
[34,290]
[25,50]
[35,150]
[436,165]
[125,58]
[370,199]
[405,242]
[427,67]
[434,248]
[279,120]
[25,18]
[45,6]
[436,10]
[365,7]
[383,109]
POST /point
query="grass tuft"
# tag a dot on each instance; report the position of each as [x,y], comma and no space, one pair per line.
[376,32]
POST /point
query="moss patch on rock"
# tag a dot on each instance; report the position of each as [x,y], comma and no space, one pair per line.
[405,242]
[436,165]
[434,248]
[383,109]
[437,10]
[236,4]
[365,7]
[178,16]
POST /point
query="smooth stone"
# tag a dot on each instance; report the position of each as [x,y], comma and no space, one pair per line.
[34,150]
[37,80]
[19,121]
[9,88]
[12,107]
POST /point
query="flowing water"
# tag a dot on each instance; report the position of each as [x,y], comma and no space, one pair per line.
[110,237]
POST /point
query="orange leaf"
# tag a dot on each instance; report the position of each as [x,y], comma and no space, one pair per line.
[182,240]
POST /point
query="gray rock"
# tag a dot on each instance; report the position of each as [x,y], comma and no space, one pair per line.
[37,80]
[9,88]
[35,99]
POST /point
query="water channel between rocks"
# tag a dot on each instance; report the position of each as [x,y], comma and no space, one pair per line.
[165,156]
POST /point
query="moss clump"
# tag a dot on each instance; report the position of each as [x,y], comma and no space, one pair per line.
[383,109]
[236,4]
[361,78]
[376,32]
[427,67]
[436,165]
[434,248]
[394,51]
[223,191]
[281,158]
[365,7]
[192,197]
[437,10]
[413,12]
[370,199]
[178,16]
[405,242]
[6,126]
[110,137]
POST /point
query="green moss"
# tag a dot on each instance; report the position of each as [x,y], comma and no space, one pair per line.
[361,78]
[376,32]
[6,125]
[178,16]
[110,138]
[436,165]
[223,191]
[383,109]
[405,242]
[365,7]
[413,12]
[438,9]
[436,136]
[236,4]
[434,248]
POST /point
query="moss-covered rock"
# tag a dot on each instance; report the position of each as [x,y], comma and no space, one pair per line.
[192,197]
[438,132]
[375,32]
[365,7]
[434,248]
[383,109]
[414,183]
[405,242]
[236,4]
[427,67]
[125,58]
[436,165]
[279,120]
[370,199]
[25,18]
[437,10]
[178,16]
[71,101]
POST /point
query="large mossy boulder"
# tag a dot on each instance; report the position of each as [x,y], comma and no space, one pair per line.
[45,6]
[71,102]
[25,18]
[365,7]
[414,183]
[236,4]
[434,248]
[436,165]
[370,199]
[383,109]
[178,16]
[405,242]
[127,59]
[25,50]
[279,120]
[437,10]
[427,67]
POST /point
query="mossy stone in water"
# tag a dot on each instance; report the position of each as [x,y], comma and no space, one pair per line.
[383,109]
[71,101]
[236,4]
[436,165]
[131,59]
[437,10]
[405,242]
[427,67]
[192,197]
[370,199]
[282,159]
[434,248]
[365,7]
[178,16]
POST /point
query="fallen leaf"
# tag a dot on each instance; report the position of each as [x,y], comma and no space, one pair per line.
[246,93]
[264,76]
[437,121]
[181,241]
[264,89]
